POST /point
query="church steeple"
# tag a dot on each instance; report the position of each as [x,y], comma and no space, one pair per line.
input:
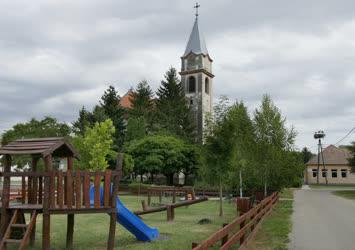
[196,43]
[196,76]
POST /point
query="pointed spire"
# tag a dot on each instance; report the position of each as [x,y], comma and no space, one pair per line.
[196,43]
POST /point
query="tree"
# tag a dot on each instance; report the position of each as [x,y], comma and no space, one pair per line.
[109,103]
[47,127]
[352,159]
[219,150]
[95,147]
[160,154]
[142,101]
[173,114]
[273,141]
[136,128]
[242,132]
[306,155]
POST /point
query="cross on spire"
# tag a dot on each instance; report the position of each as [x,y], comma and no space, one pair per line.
[196,7]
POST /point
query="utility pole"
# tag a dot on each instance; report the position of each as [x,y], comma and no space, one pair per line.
[319,136]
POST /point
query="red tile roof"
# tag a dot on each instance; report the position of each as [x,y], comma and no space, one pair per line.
[125,101]
[332,156]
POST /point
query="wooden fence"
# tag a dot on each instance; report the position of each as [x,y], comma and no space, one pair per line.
[241,230]
[58,190]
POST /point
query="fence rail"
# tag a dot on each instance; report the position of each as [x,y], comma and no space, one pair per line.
[245,225]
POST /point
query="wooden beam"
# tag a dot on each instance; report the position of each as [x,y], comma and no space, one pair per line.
[5,196]
[70,231]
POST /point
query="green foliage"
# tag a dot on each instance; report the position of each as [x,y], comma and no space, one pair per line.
[48,127]
[136,128]
[352,159]
[95,146]
[306,155]
[109,103]
[162,154]
[173,115]
[128,164]
[108,108]
[274,145]
[142,101]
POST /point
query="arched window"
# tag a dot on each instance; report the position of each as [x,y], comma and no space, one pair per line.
[207,86]
[192,84]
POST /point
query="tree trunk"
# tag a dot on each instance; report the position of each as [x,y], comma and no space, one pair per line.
[220,199]
[170,179]
[141,178]
[185,178]
[152,177]
[265,189]
[240,184]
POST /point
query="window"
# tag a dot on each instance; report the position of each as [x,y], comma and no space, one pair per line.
[334,173]
[191,101]
[314,173]
[207,86]
[344,173]
[192,84]
[324,173]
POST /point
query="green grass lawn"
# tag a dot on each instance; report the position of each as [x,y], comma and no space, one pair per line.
[274,230]
[348,194]
[91,230]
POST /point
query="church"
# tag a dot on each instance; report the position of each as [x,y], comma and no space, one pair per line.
[196,77]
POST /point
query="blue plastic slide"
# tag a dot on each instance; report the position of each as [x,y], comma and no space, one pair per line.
[129,220]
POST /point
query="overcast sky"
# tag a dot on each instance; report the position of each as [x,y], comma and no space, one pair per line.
[58,55]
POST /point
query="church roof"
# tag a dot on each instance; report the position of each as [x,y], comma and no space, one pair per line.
[332,156]
[196,43]
[126,100]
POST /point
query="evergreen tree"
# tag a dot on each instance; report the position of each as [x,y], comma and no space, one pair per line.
[142,101]
[111,108]
[172,112]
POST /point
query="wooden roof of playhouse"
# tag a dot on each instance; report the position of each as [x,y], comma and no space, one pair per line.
[55,146]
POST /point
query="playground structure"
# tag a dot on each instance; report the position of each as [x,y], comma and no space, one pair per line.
[60,192]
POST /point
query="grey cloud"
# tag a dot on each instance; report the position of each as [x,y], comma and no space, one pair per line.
[56,56]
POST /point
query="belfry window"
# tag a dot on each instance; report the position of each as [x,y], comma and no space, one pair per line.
[207,86]
[192,84]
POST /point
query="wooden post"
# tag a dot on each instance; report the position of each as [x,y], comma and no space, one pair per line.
[160,197]
[144,205]
[70,231]
[194,244]
[174,195]
[242,238]
[35,197]
[225,238]
[149,194]
[116,181]
[34,194]
[46,244]
[170,212]
[5,196]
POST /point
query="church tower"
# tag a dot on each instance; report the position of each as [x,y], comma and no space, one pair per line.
[196,76]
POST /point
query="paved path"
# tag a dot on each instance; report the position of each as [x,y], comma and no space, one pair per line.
[323,221]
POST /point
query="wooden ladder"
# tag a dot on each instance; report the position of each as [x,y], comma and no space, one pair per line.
[17,221]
